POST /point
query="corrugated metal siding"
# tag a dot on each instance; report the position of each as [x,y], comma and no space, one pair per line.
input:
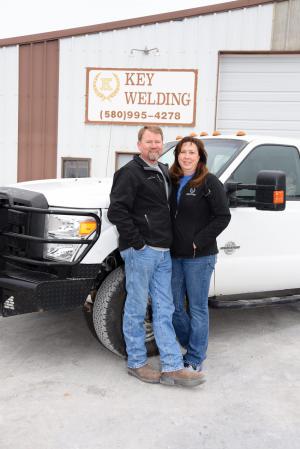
[8,114]
[286,34]
[260,93]
[38,105]
[189,43]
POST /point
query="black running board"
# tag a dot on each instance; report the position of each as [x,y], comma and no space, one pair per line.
[251,303]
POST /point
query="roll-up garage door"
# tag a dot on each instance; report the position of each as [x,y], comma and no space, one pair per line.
[259,93]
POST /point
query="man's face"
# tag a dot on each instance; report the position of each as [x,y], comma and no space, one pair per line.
[151,146]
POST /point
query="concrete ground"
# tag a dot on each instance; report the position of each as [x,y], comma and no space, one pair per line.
[60,389]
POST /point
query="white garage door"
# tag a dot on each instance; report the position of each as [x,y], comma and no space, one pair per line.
[259,94]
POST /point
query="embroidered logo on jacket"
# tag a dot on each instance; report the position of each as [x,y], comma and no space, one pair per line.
[191,192]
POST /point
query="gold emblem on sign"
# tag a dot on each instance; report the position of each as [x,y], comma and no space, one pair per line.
[106,86]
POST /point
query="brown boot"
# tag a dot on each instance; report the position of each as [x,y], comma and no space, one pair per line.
[182,377]
[146,373]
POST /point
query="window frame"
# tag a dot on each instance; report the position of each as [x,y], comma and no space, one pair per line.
[122,153]
[67,159]
[288,198]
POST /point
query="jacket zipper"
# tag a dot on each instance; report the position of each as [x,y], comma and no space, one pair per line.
[146,218]
[176,213]
[180,199]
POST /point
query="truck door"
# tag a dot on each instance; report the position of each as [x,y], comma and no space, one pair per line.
[260,250]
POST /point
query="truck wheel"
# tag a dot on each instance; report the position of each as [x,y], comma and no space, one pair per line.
[108,315]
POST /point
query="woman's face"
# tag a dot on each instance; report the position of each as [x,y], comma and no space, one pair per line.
[188,158]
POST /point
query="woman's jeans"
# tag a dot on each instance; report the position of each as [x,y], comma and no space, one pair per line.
[148,271]
[191,277]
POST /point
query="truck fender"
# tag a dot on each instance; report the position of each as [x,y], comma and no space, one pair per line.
[105,245]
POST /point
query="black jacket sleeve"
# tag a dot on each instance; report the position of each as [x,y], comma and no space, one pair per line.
[219,210]
[120,211]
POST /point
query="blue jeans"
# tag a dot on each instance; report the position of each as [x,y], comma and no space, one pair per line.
[192,277]
[148,271]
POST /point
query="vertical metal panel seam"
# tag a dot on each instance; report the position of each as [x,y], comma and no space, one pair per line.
[217,90]
[19,107]
[44,105]
[287,30]
[258,15]
[273,26]
[57,100]
[30,101]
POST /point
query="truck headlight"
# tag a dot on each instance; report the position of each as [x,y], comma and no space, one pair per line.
[68,227]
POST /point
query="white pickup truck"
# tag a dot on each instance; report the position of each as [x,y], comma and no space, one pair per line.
[57,247]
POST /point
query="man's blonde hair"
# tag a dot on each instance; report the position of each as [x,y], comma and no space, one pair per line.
[152,129]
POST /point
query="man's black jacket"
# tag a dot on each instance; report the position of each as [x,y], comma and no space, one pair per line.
[201,215]
[139,206]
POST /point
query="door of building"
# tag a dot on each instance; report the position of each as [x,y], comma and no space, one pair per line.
[259,93]
[38,110]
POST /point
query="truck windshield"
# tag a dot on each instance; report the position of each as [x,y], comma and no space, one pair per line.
[220,153]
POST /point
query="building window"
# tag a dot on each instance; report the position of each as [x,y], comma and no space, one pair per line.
[75,167]
[123,157]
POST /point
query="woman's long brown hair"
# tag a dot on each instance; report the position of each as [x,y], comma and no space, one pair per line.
[201,170]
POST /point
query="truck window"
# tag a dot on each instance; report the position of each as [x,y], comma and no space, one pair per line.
[220,153]
[270,157]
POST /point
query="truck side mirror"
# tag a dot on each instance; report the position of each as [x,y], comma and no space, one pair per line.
[270,190]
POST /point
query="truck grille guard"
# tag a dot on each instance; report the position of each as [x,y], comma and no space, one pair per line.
[13,244]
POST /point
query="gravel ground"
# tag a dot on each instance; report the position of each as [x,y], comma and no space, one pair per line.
[60,389]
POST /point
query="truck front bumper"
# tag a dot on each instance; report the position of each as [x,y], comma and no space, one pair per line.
[24,291]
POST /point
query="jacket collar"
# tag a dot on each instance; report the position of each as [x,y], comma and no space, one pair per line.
[142,163]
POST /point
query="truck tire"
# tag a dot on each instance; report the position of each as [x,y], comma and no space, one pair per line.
[108,315]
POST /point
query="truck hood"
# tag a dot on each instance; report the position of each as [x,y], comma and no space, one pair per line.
[87,193]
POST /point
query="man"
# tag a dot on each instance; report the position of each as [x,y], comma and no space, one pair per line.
[139,209]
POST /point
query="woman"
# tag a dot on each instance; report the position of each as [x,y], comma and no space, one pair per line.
[199,212]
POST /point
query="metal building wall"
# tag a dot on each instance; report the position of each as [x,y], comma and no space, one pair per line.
[286,19]
[9,58]
[189,43]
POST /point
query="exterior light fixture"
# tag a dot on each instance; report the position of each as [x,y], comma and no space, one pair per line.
[146,51]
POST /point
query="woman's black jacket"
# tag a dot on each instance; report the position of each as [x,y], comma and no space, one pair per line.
[200,216]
